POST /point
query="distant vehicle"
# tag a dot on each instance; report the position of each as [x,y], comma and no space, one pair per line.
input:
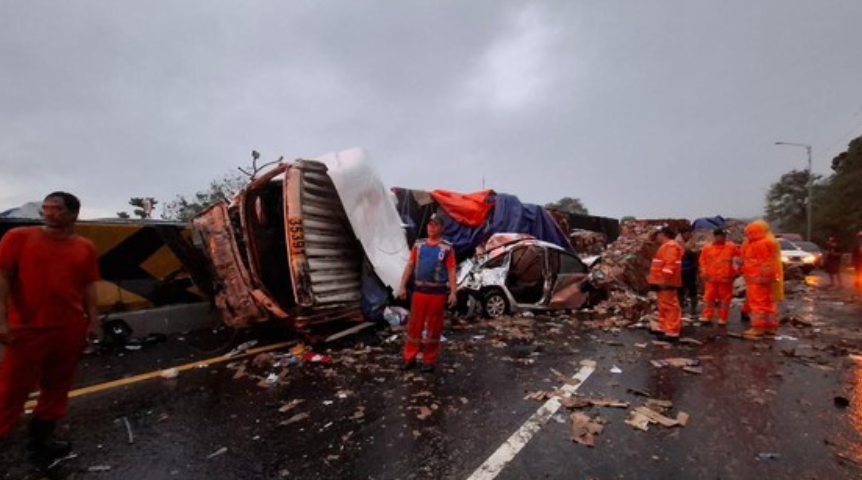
[793,237]
[793,255]
[515,272]
[813,249]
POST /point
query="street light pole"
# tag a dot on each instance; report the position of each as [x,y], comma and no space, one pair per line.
[810,183]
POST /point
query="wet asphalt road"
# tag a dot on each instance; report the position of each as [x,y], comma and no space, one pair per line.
[366,417]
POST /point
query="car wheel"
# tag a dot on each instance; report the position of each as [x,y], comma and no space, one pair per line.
[495,304]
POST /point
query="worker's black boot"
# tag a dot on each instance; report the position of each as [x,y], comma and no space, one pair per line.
[42,446]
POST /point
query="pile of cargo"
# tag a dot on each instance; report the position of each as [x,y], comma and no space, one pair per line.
[626,262]
[735,233]
[587,243]
[625,265]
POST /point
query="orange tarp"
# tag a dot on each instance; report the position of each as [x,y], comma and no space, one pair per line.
[465,208]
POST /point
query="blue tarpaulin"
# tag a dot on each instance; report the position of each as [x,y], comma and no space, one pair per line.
[709,223]
[375,295]
[509,215]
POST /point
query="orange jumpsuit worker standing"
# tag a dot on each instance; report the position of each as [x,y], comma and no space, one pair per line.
[718,270]
[666,276]
[47,308]
[764,278]
[432,267]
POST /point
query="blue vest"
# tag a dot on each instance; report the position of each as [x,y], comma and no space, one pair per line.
[430,274]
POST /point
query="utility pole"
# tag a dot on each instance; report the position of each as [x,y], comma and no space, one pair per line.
[810,183]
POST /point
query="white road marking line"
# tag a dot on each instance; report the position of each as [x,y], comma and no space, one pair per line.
[510,448]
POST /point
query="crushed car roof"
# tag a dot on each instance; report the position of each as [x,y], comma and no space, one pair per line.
[500,243]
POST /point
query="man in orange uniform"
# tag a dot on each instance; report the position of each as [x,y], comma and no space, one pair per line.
[47,307]
[718,270]
[764,278]
[432,267]
[666,277]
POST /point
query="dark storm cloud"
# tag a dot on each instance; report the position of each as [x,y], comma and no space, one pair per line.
[644,108]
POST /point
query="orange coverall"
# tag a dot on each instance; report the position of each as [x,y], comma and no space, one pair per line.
[666,274]
[763,272]
[46,312]
[717,270]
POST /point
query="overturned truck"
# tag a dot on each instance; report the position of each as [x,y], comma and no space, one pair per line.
[285,248]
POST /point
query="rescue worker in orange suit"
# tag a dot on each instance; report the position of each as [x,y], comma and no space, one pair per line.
[48,278]
[432,268]
[718,269]
[665,276]
[764,278]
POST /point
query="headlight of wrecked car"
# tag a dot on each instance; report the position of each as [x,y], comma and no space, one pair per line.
[593,279]
[596,276]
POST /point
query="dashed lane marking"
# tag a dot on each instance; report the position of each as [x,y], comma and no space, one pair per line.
[510,448]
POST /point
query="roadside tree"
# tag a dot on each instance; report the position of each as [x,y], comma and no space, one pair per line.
[568,205]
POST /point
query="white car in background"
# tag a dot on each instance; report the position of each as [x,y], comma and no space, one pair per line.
[792,255]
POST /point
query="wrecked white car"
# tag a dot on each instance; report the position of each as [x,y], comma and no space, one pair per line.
[516,272]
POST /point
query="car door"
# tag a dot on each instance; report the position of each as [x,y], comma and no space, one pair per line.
[527,279]
[567,272]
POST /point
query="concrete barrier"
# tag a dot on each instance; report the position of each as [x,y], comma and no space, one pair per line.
[168,320]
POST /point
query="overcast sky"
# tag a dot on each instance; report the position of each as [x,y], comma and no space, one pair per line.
[646,108]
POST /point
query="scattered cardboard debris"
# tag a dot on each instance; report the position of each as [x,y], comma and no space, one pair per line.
[638,421]
[424,412]
[540,395]
[677,362]
[220,451]
[564,378]
[638,414]
[264,360]
[584,428]
[690,341]
[659,405]
[241,348]
[298,350]
[290,405]
[642,417]
[640,393]
[296,418]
